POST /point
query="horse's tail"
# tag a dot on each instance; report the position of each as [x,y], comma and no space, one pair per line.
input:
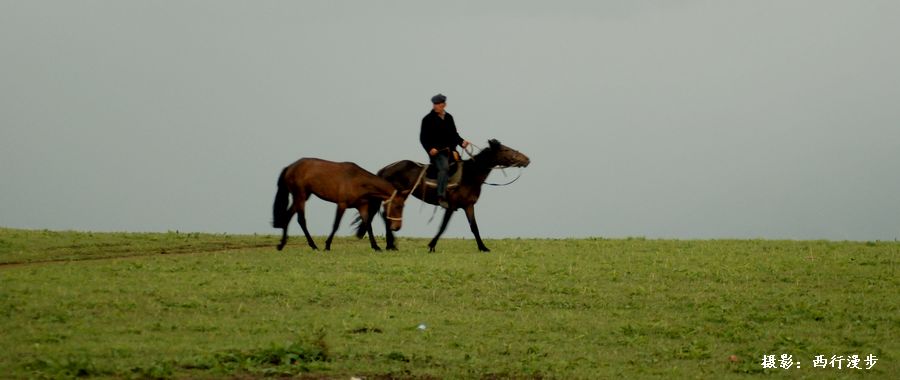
[280,214]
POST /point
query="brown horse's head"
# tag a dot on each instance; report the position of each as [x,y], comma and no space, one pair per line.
[505,156]
[393,209]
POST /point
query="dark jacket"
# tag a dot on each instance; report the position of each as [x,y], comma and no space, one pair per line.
[439,133]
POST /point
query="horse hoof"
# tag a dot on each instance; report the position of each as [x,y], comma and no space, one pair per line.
[484,249]
[280,247]
[377,249]
[391,248]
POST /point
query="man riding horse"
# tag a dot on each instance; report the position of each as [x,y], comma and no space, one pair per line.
[439,138]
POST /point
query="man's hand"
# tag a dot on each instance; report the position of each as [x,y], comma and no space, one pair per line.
[465,144]
[433,152]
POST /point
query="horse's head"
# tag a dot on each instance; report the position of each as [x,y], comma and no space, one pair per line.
[502,155]
[393,209]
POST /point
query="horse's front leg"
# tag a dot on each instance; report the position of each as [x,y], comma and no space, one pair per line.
[470,214]
[365,218]
[337,223]
[447,214]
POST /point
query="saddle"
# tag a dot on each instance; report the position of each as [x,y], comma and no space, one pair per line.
[455,173]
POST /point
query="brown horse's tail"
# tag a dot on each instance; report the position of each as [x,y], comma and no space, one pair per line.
[280,214]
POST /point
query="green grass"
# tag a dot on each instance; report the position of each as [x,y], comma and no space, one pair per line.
[209,306]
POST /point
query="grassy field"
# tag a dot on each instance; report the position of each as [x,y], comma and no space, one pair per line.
[179,305]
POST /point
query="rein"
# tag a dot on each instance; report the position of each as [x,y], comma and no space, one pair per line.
[508,183]
[470,150]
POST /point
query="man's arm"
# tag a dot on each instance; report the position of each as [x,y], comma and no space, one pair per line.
[459,140]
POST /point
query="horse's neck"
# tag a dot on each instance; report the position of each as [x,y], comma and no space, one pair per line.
[477,169]
[383,189]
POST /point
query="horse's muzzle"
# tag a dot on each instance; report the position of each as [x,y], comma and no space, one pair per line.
[524,161]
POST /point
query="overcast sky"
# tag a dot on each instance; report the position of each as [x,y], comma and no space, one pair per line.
[663,119]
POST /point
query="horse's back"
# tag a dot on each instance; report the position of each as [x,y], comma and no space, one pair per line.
[330,180]
[312,167]
[402,174]
[402,166]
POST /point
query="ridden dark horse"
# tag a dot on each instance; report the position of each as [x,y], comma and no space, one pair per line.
[343,183]
[408,176]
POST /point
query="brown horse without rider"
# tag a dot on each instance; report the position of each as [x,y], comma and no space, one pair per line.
[343,183]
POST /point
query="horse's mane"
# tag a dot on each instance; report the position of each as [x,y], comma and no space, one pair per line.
[483,154]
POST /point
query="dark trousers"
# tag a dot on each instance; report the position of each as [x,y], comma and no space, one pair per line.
[441,162]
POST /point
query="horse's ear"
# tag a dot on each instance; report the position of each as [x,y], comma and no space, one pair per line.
[494,143]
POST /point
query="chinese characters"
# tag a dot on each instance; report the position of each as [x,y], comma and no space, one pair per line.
[785,361]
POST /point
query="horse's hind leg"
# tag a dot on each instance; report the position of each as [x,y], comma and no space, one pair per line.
[337,223]
[284,236]
[300,205]
[284,230]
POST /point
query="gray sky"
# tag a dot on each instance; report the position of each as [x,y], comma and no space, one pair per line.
[664,119]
